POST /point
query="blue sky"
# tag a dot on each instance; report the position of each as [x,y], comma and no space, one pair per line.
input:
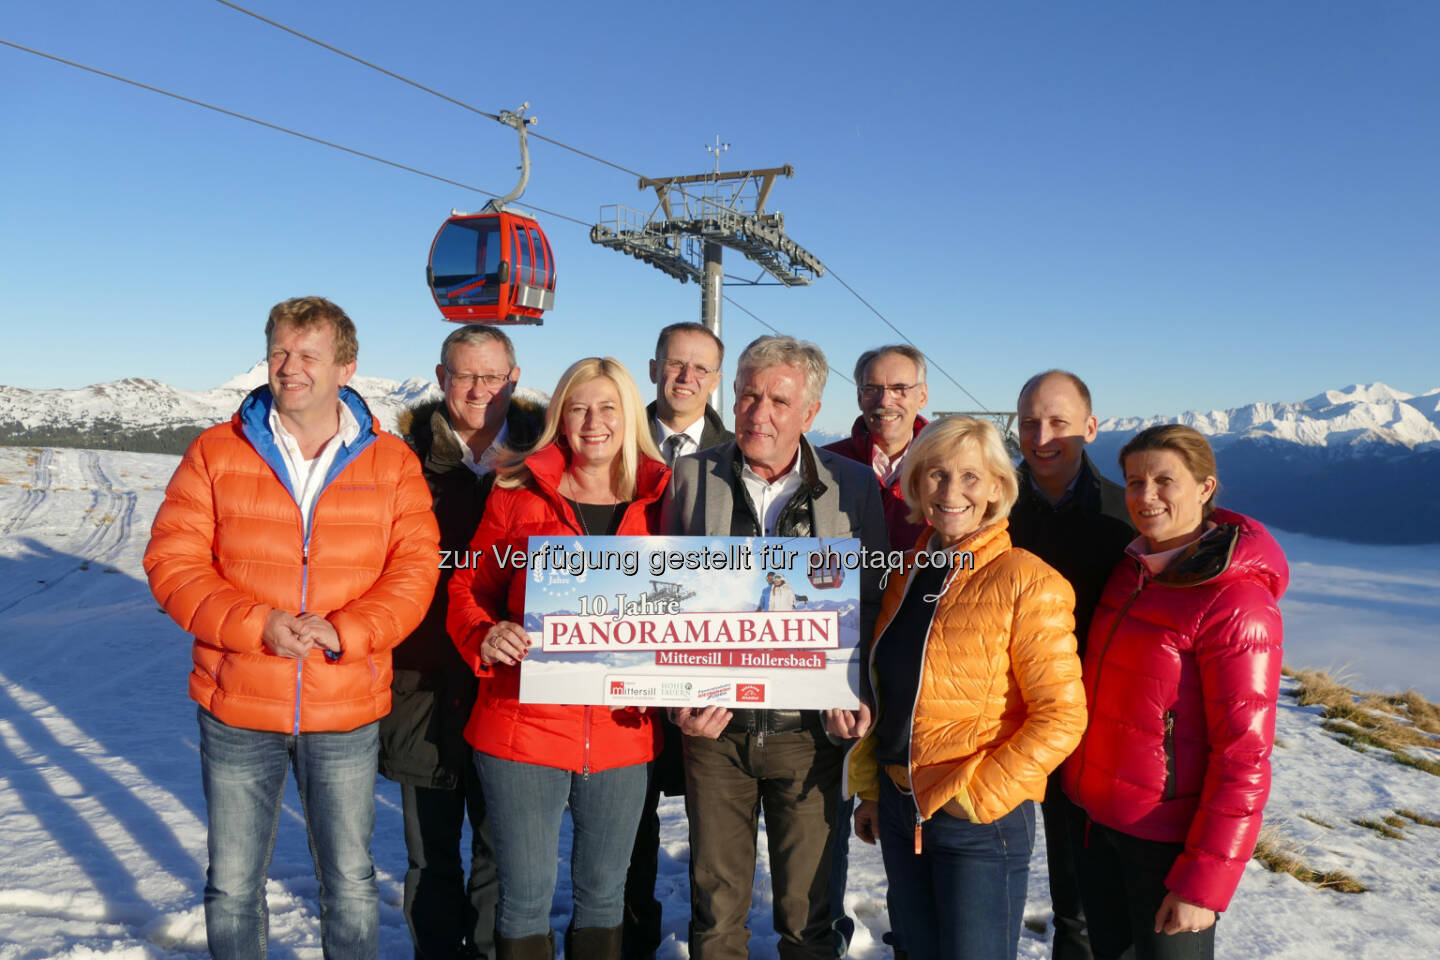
[1193,206]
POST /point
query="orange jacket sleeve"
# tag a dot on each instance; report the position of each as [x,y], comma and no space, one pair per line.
[181,566]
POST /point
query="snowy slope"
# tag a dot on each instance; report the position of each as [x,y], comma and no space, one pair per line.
[103,817]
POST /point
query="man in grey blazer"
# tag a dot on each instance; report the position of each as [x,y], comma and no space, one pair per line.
[769,481]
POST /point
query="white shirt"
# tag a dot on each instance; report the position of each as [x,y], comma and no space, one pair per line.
[770,498]
[308,476]
[488,456]
[885,468]
[690,442]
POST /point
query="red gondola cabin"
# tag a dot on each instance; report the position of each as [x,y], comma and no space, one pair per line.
[492,268]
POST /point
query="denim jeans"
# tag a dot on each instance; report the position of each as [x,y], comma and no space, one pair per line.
[526,803]
[244,779]
[963,895]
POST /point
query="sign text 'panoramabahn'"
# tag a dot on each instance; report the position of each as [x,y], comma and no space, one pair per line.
[804,629]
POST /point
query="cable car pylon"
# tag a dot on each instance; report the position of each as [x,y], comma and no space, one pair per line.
[685,234]
[495,266]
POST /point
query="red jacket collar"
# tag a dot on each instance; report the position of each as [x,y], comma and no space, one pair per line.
[548,464]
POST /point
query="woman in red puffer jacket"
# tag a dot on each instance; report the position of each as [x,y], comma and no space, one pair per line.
[1182,671]
[595,471]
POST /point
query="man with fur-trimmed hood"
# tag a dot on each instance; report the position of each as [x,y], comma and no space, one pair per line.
[422,745]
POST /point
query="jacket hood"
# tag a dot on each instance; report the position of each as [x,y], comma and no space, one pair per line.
[1239,548]
[421,425]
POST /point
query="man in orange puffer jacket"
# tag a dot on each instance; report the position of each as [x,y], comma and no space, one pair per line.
[296,543]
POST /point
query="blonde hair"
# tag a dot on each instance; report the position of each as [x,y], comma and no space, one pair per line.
[943,439]
[635,436]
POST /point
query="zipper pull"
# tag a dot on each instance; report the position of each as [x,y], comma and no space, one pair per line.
[918,823]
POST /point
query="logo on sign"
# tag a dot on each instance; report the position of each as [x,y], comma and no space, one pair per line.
[750,692]
[617,688]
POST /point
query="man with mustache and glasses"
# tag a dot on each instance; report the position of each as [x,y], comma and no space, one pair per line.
[890,386]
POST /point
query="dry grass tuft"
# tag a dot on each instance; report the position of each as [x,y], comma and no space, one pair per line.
[1422,712]
[1380,828]
[1280,855]
[1394,723]
[1419,818]
[1317,821]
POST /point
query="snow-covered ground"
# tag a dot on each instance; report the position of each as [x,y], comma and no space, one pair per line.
[103,818]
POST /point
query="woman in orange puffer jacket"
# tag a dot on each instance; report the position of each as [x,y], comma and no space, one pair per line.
[978,698]
[1182,670]
[595,471]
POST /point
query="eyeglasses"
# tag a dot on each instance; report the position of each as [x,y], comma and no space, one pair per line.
[490,381]
[900,390]
[676,367]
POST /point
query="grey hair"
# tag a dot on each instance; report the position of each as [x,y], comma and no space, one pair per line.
[862,366]
[475,334]
[772,351]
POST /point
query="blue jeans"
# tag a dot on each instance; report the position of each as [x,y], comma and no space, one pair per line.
[963,895]
[526,803]
[244,778]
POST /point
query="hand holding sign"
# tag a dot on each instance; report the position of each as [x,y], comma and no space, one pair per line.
[505,642]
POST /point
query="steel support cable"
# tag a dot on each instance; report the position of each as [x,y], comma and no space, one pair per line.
[420,86]
[730,300]
[275,126]
[929,359]
[564,146]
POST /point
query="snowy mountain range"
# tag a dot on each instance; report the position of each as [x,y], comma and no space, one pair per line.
[1359,464]
[149,415]
[1358,420]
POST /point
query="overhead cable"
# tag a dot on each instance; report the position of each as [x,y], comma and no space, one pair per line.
[928,358]
[728,299]
[420,86]
[275,126]
[635,173]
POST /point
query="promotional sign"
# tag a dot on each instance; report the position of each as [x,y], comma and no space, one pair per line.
[692,621]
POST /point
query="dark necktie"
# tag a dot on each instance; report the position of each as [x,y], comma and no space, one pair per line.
[673,445]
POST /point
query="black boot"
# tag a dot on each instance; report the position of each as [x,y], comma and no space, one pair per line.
[538,947]
[593,943]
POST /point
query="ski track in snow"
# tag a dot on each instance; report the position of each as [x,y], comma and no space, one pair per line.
[104,819]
